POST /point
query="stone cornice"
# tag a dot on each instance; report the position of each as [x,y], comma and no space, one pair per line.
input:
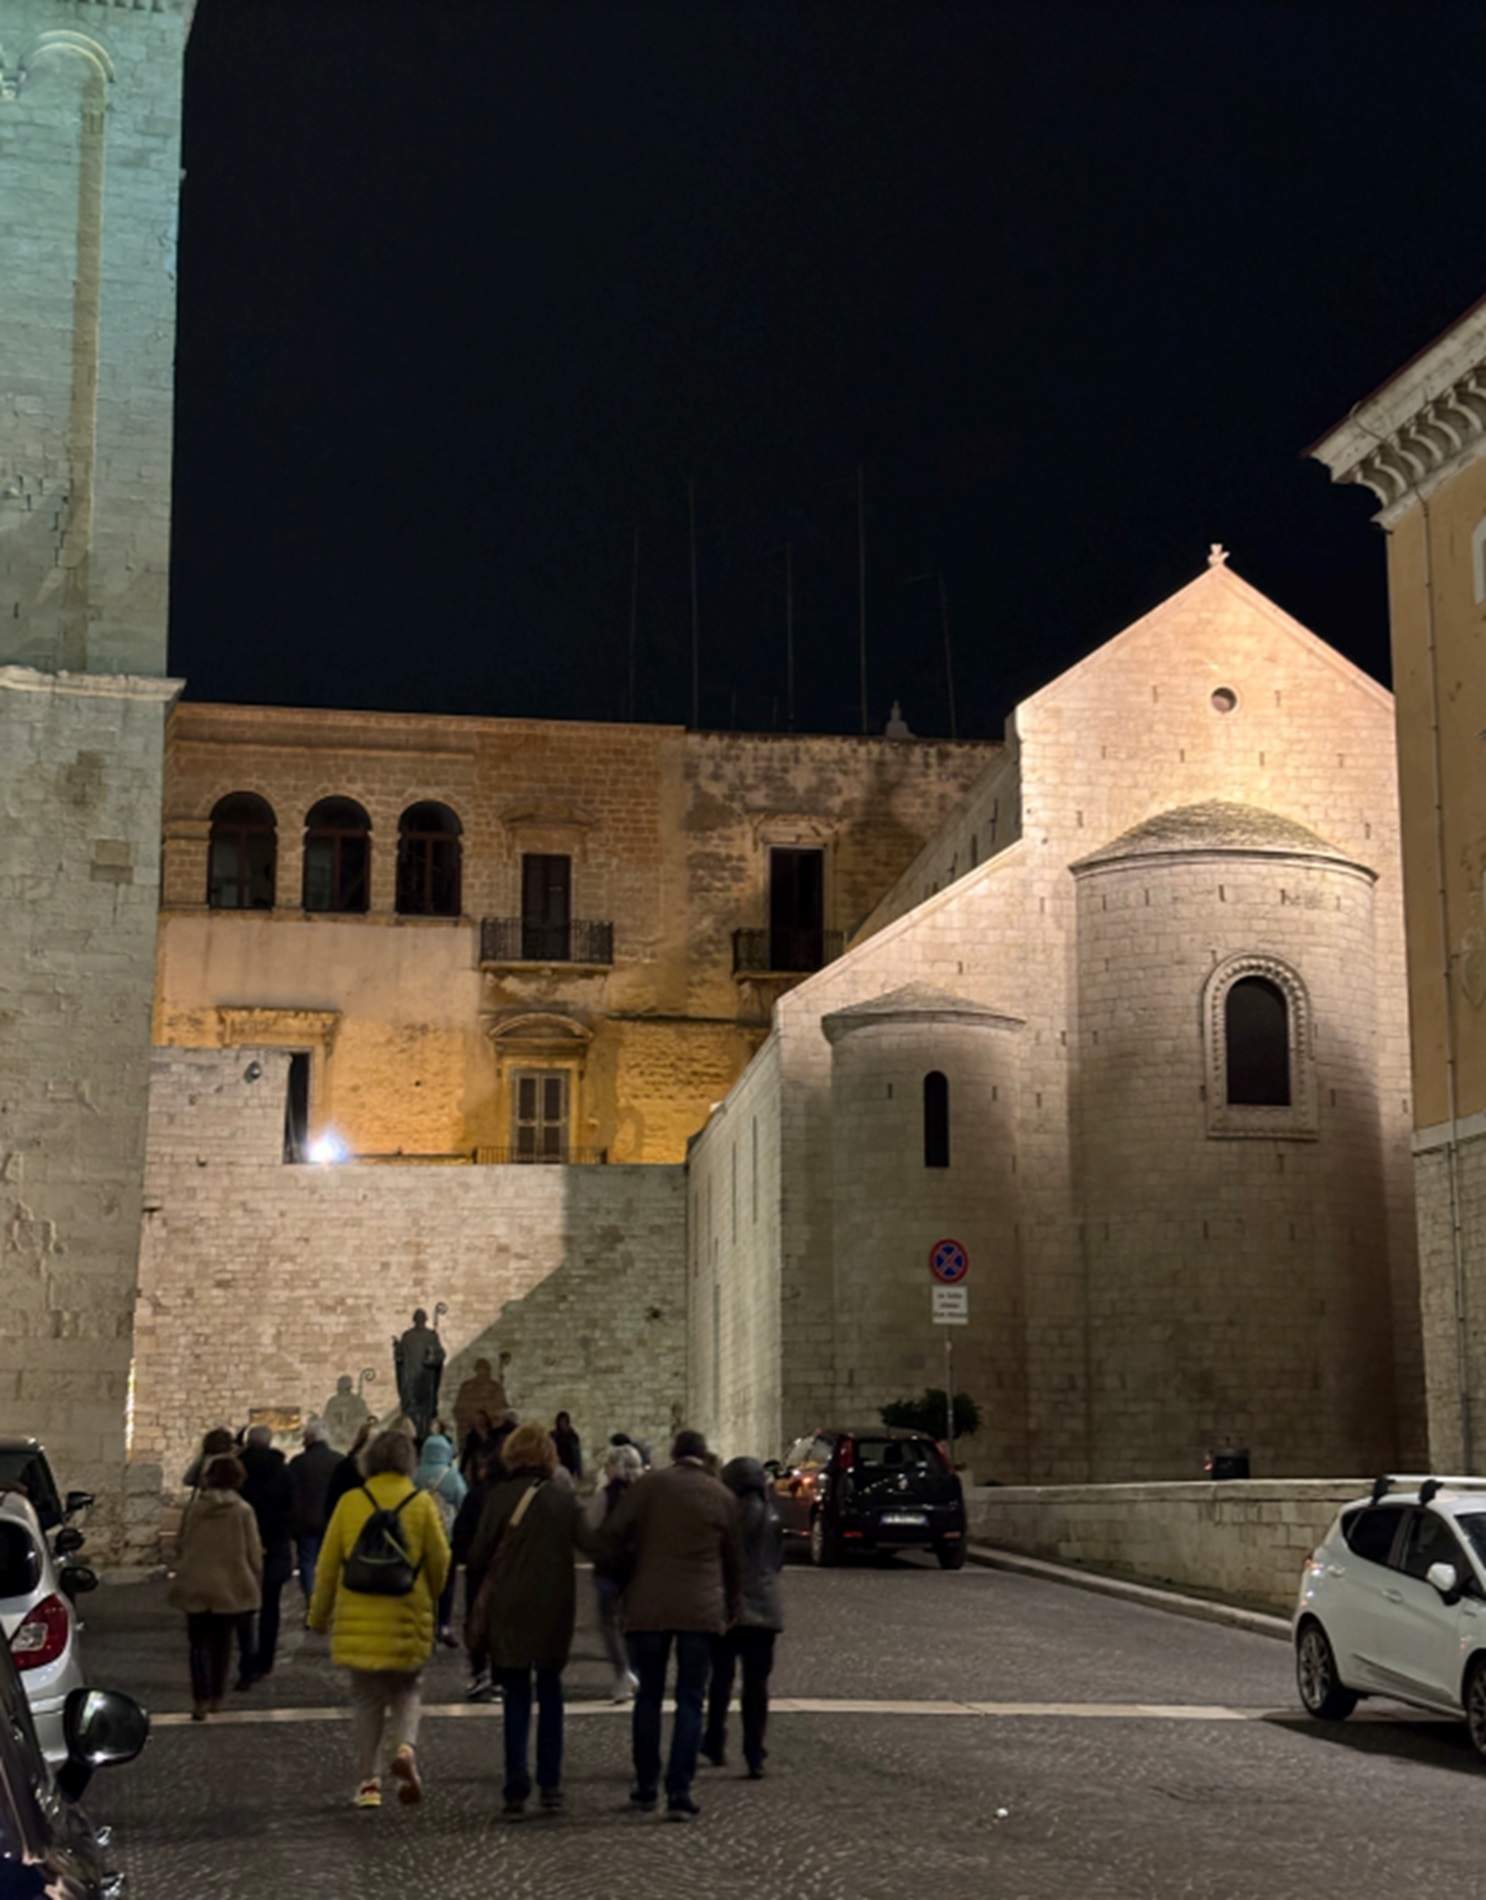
[1421,427]
[28,679]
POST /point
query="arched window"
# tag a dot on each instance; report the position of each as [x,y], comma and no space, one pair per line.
[337,856]
[428,862]
[936,1120]
[1256,1028]
[240,861]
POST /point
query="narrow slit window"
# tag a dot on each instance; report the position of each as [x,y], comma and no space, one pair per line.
[297,1107]
[936,1120]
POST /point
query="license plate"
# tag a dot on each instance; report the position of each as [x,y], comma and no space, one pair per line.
[904,1517]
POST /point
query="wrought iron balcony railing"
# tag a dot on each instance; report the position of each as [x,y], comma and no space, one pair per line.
[784,952]
[516,940]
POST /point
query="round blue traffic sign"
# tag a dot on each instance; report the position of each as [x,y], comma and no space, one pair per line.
[948,1262]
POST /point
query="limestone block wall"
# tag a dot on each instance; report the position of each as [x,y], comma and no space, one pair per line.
[80,762]
[737,1310]
[1238,1286]
[90,154]
[888,1344]
[1448,1368]
[262,1284]
[1240,1541]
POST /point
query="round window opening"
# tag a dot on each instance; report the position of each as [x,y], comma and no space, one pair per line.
[1224,699]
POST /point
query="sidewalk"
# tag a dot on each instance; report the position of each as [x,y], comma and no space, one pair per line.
[1151,1596]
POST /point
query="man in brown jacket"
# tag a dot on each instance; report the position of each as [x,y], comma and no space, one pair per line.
[675,1536]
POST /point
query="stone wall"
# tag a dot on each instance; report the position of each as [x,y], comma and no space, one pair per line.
[1445,1326]
[1243,1541]
[79,873]
[262,1284]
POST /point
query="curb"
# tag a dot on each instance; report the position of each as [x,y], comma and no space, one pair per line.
[1148,1596]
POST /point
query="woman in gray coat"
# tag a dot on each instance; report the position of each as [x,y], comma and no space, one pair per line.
[750,1641]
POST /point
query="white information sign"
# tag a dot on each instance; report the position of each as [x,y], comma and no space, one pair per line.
[951,1306]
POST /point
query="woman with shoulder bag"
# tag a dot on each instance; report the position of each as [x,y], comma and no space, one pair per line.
[524,1612]
[219,1578]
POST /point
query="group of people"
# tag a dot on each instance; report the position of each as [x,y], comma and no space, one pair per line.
[685,1563]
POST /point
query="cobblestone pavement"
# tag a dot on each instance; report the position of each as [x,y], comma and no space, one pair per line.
[1206,1782]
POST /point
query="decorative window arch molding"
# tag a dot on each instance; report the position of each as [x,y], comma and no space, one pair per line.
[1295,1122]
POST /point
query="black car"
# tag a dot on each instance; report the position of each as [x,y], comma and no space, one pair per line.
[49,1850]
[871,1488]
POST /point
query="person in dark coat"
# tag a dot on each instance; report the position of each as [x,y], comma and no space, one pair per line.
[569,1446]
[524,1613]
[676,1537]
[750,1640]
[268,1490]
[480,1446]
[486,1475]
[348,1474]
[309,1478]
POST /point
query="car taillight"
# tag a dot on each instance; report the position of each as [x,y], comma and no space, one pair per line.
[846,1454]
[941,1452]
[42,1637]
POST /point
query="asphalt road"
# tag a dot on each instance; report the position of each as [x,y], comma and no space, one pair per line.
[1022,1739]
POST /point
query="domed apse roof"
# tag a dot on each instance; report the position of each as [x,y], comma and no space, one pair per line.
[919,1002]
[1216,826]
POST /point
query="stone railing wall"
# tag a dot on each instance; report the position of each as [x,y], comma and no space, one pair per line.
[1242,1541]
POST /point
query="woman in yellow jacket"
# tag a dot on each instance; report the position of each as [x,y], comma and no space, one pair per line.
[384,1641]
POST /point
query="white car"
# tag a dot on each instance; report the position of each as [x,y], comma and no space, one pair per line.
[38,1619]
[1393,1603]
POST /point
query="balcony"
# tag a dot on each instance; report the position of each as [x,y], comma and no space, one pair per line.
[515,940]
[784,952]
[563,1158]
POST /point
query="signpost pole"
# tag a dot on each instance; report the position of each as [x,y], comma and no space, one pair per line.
[949,1389]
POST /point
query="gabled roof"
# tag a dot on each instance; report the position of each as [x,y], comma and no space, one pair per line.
[1215,825]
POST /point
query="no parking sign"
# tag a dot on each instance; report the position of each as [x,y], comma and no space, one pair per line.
[948,1262]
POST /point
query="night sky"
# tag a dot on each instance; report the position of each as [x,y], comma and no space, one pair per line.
[469,291]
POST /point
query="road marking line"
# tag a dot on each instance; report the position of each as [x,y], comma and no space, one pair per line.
[795,1705]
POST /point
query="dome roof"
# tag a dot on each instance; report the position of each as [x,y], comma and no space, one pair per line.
[920,1002]
[1215,826]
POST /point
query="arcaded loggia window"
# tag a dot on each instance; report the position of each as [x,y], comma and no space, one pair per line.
[337,856]
[428,862]
[241,859]
[1257,1033]
[936,1120]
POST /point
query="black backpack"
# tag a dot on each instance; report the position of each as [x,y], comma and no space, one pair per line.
[379,1564]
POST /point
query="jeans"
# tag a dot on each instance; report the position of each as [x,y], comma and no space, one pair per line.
[650,1651]
[754,1649]
[516,1696]
[608,1616]
[308,1550]
[479,1658]
[209,1634]
[446,1601]
[384,1708]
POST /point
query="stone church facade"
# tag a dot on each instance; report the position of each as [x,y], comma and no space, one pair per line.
[1133,1031]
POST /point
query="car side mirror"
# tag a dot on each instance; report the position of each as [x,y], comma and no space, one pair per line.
[76,1580]
[1445,1579]
[68,1540]
[101,1727]
[78,1501]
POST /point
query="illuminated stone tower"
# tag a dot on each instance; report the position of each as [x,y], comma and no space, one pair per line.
[90,116]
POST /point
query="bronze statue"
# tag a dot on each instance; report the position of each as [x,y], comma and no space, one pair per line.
[419,1358]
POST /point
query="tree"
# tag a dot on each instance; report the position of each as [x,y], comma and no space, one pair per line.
[930,1414]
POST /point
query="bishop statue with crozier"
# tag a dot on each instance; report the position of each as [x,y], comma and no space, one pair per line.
[419,1357]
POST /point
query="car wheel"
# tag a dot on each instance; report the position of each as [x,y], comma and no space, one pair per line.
[1321,1688]
[951,1556]
[825,1547]
[1475,1705]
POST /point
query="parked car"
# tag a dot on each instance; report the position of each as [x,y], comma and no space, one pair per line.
[871,1488]
[1393,1603]
[24,1466]
[39,1586]
[49,1850]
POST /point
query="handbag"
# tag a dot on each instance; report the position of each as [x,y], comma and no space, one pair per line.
[477,1623]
